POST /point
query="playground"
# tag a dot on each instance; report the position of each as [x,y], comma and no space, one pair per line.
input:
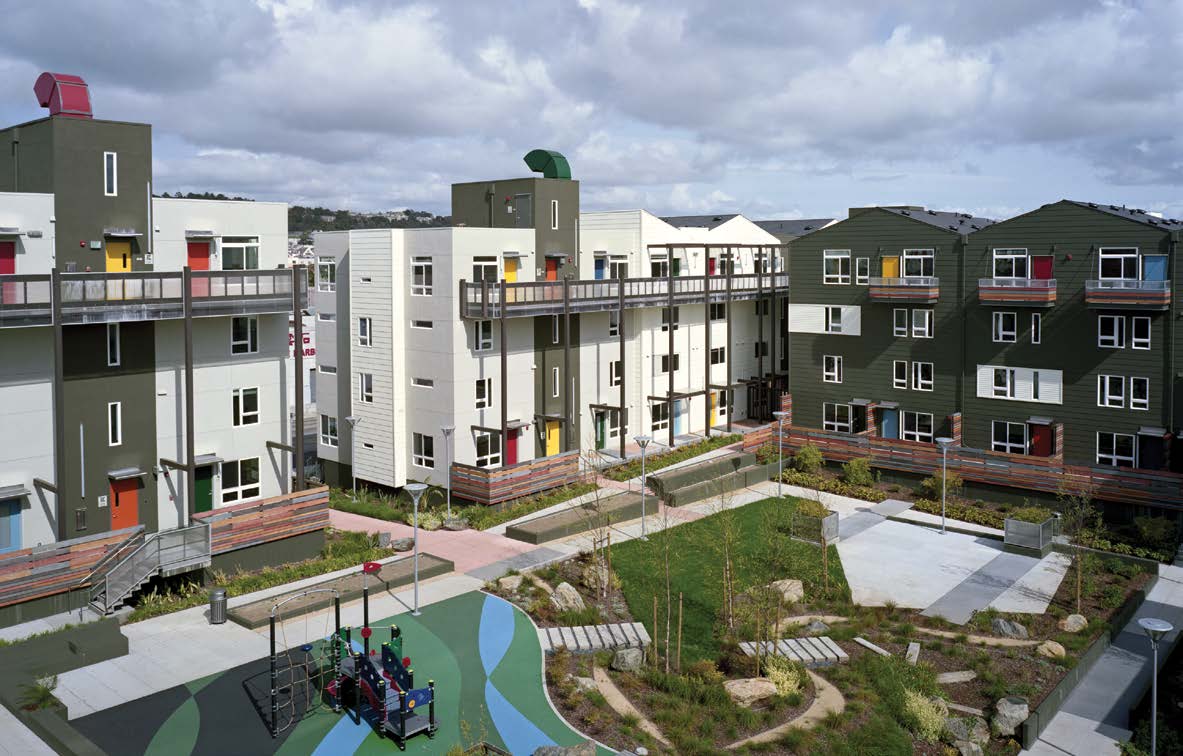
[480,654]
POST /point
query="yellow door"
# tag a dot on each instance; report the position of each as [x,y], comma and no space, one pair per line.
[552,437]
[891,267]
[118,257]
[714,409]
[511,270]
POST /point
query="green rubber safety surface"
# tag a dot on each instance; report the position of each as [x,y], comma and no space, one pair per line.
[482,653]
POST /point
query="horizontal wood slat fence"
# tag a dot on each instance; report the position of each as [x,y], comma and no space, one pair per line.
[258,522]
[485,485]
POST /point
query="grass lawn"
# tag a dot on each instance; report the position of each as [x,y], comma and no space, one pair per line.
[696,570]
[655,462]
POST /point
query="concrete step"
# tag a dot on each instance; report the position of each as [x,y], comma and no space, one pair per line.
[820,651]
[589,638]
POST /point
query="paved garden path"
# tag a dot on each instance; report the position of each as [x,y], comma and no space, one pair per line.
[624,707]
[982,587]
[828,699]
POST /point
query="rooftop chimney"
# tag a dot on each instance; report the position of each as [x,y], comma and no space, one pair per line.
[64,95]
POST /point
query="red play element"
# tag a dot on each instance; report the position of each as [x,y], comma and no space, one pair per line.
[371,568]
[373,652]
[366,632]
[64,95]
[407,662]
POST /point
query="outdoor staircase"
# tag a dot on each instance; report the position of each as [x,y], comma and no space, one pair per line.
[167,553]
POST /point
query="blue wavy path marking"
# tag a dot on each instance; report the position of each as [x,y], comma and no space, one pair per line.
[496,633]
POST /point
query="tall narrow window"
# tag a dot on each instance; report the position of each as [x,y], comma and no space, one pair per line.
[667,321]
[422,450]
[114,423]
[899,322]
[613,322]
[365,388]
[832,368]
[1110,391]
[554,215]
[1036,328]
[326,274]
[244,335]
[615,374]
[922,324]
[1140,333]
[365,329]
[484,393]
[421,276]
[482,335]
[1005,327]
[1139,393]
[113,345]
[245,406]
[862,271]
[10,524]
[328,431]
[660,415]
[110,174]
[922,376]
[833,320]
[899,375]
[554,383]
[554,329]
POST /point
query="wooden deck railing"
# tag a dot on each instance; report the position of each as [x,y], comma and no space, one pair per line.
[493,485]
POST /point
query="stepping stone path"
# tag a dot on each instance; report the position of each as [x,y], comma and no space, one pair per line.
[871,646]
[588,638]
[950,678]
[913,652]
[812,652]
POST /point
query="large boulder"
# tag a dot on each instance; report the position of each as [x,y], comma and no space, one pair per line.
[455,523]
[1073,623]
[1009,713]
[566,598]
[628,660]
[402,544]
[790,590]
[751,690]
[586,748]
[968,748]
[1051,650]
[510,583]
[595,576]
[583,683]
[1008,628]
[967,729]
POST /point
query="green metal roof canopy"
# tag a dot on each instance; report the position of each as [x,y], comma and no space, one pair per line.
[549,163]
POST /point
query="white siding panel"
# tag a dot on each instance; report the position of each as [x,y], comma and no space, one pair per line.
[985,381]
[1051,384]
[851,321]
[807,318]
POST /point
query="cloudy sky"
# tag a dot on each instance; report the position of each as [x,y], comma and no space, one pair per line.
[767,107]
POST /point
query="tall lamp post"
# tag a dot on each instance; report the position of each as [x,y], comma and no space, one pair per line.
[447,429]
[353,421]
[780,450]
[643,441]
[416,490]
[1155,629]
[945,443]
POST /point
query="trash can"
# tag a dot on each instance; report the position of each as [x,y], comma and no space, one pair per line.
[217,606]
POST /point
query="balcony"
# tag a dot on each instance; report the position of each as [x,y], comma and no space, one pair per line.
[1032,292]
[121,297]
[913,289]
[483,300]
[1127,294]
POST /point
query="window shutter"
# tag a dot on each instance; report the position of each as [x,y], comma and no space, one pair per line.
[1024,384]
[1051,386]
[851,321]
[985,381]
[807,318]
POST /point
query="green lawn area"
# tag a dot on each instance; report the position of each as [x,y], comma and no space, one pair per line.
[764,552]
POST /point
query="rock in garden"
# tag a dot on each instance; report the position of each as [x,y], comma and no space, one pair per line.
[566,598]
[583,683]
[1073,623]
[1008,628]
[595,575]
[967,729]
[751,690]
[968,748]
[586,748]
[628,660]
[456,523]
[402,544]
[1009,713]
[1051,650]
[510,583]
[790,590]
[817,627]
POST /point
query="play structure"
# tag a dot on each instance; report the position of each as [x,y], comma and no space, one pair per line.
[379,685]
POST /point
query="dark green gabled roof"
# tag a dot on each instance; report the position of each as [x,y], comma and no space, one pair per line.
[549,163]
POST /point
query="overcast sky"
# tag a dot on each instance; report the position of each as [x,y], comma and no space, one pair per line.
[777,108]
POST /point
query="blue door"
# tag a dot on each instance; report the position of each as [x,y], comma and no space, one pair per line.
[600,263]
[679,417]
[889,423]
[10,524]
[1154,268]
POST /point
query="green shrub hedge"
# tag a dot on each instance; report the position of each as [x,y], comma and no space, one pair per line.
[820,482]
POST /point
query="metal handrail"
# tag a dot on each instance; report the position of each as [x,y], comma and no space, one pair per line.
[1101,284]
[919,281]
[1017,283]
[194,542]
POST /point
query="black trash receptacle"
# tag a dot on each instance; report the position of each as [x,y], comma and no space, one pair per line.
[217,606]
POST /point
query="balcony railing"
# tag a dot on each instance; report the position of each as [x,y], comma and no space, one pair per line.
[483,299]
[108,297]
[916,289]
[1110,293]
[1036,292]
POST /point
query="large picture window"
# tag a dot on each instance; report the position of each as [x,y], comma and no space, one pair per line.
[919,263]
[240,253]
[1010,438]
[836,266]
[240,480]
[1010,263]
[488,449]
[1118,264]
[836,417]
[917,426]
[1116,449]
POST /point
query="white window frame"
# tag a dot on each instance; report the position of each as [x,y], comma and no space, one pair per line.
[365,332]
[833,421]
[251,344]
[615,374]
[554,215]
[241,491]
[862,271]
[247,246]
[482,331]
[483,266]
[614,322]
[1013,255]
[427,383]
[924,329]
[1111,391]
[916,434]
[114,352]
[998,331]
[114,423]
[554,383]
[110,174]
[1144,402]
[1006,446]
[483,386]
[422,325]
[492,455]
[554,329]
[423,450]
[919,383]
[896,328]
[1036,328]
[1008,386]
[656,421]
[328,431]
[327,369]
[1123,254]
[326,274]
[1136,341]
[365,388]
[899,374]
[833,324]
[921,256]
[1111,457]
[422,276]
[832,368]
[841,258]
[240,417]
[1117,340]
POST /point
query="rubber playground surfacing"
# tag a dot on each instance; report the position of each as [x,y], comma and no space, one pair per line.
[481,651]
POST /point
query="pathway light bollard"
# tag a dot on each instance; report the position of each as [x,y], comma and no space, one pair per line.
[944,443]
[416,491]
[448,429]
[643,441]
[1155,629]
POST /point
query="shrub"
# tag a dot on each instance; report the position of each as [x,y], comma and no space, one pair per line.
[1034,515]
[819,482]
[811,508]
[963,512]
[787,675]
[39,693]
[706,672]
[428,519]
[857,472]
[808,459]
[930,487]
[1155,532]
[924,716]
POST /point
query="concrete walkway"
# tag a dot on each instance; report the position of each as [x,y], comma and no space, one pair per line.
[1096,716]
[18,740]
[828,699]
[981,588]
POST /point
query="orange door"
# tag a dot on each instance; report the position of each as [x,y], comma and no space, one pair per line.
[199,260]
[552,269]
[124,503]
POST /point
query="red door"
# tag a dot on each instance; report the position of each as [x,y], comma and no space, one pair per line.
[7,258]
[711,267]
[199,260]
[511,448]
[1041,267]
[1041,440]
[552,269]
[124,503]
